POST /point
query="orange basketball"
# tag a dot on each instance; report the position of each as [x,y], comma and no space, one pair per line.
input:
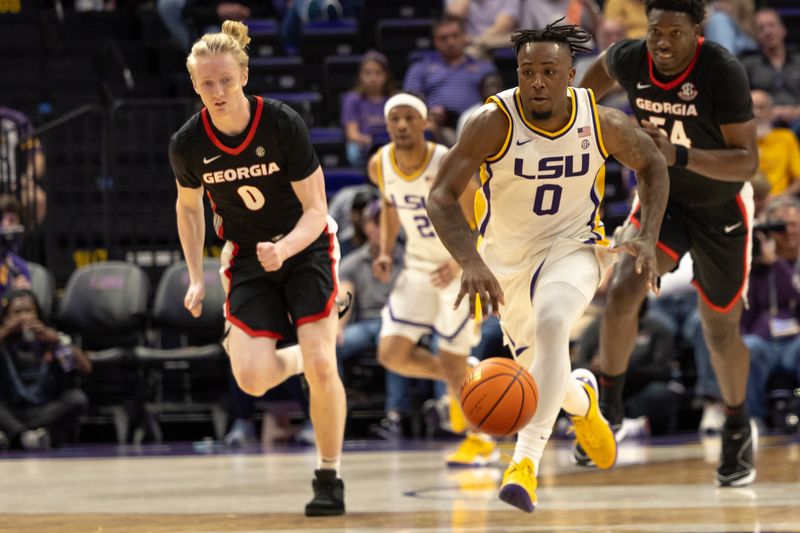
[499,397]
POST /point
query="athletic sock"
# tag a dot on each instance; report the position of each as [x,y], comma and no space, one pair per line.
[736,416]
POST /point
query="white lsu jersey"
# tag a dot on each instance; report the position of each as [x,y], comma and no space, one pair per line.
[543,185]
[409,195]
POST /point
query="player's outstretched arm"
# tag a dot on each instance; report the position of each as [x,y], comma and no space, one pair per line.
[597,77]
[633,148]
[483,136]
[389,225]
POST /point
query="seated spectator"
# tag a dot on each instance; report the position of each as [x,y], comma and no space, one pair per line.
[22,165]
[347,209]
[486,20]
[730,23]
[13,268]
[448,80]
[778,148]
[537,14]
[629,13]
[649,389]
[37,407]
[360,328]
[362,108]
[187,19]
[775,68]
[608,32]
[491,84]
[771,322]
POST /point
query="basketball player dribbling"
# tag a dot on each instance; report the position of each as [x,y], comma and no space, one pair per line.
[254,159]
[541,148]
[692,97]
[420,300]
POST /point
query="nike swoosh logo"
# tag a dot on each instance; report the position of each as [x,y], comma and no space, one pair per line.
[729,229]
[520,143]
[207,160]
[641,85]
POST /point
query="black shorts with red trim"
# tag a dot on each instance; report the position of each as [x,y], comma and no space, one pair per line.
[718,239]
[273,304]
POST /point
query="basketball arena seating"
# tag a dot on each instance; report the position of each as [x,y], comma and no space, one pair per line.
[183,365]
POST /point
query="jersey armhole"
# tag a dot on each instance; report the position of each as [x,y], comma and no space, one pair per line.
[500,104]
[596,119]
[379,168]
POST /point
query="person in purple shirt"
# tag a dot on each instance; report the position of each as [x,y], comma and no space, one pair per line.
[362,108]
[448,80]
[771,323]
[14,272]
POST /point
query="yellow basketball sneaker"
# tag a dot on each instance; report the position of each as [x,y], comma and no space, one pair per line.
[458,424]
[593,431]
[519,485]
[475,450]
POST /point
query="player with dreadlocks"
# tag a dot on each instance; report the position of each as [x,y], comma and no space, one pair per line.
[541,149]
[692,97]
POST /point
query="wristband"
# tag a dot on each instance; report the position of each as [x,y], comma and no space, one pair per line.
[681,156]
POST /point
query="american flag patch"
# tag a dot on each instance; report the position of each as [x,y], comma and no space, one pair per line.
[584,131]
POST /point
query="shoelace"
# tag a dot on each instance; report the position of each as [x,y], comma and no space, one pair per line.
[582,424]
[471,444]
[527,468]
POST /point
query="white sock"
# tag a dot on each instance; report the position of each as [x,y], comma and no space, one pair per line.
[293,358]
[531,442]
[329,464]
[576,400]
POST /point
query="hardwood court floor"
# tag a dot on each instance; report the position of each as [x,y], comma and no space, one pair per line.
[661,486]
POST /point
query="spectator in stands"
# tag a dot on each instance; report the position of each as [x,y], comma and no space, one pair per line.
[14,272]
[650,392]
[730,23]
[362,108]
[37,408]
[347,209]
[486,20]
[629,13]
[775,68]
[300,12]
[491,84]
[360,328]
[22,165]
[540,13]
[448,80]
[771,322]
[608,32]
[187,19]
[778,148]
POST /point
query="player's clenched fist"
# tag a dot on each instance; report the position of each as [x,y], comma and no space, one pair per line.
[193,301]
[271,255]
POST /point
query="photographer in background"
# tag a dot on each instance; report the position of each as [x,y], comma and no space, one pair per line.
[37,407]
[13,268]
[771,323]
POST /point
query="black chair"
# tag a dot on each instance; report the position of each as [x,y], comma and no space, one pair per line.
[397,37]
[184,365]
[339,74]
[372,10]
[265,37]
[330,146]
[105,308]
[43,285]
[276,74]
[307,104]
[323,39]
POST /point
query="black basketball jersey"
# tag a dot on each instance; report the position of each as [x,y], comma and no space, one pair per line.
[689,107]
[247,177]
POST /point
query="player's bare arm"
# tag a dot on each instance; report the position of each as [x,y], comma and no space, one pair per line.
[736,163]
[482,137]
[191,231]
[634,149]
[311,193]
[389,227]
[447,271]
[597,77]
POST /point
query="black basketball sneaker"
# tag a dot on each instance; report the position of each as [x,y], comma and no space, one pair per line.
[328,497]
